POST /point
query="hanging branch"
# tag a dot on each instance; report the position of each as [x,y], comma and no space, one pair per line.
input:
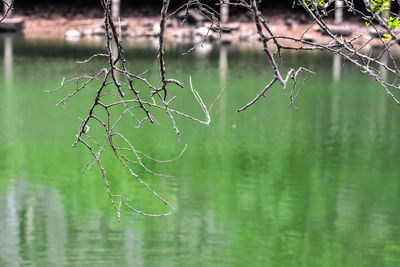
[378,18]
[119,84]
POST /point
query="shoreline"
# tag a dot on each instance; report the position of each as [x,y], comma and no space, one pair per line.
[176,31]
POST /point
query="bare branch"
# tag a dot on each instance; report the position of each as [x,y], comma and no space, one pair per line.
[112,90]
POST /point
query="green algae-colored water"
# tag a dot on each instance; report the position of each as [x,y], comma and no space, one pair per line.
[271,186]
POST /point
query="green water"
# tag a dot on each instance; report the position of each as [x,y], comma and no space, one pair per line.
[271,186]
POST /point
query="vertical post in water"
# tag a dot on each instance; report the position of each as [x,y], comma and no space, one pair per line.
[115,8]
[338,11]
[224,10]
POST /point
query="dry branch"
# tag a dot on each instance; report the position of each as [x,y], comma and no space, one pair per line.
[116,77]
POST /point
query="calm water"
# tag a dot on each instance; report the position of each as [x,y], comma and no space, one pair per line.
[268,187]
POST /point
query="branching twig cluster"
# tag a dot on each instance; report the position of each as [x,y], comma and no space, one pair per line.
[120,85]
[351,49]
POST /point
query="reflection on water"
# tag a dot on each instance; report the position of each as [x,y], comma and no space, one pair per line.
[223,64]
[313,187]
[10,233]
[32,220]
[8,61]
[337,68]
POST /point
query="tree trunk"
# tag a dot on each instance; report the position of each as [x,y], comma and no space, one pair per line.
[224,13]
[115,8]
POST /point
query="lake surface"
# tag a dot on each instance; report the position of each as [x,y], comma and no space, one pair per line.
[271,186]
